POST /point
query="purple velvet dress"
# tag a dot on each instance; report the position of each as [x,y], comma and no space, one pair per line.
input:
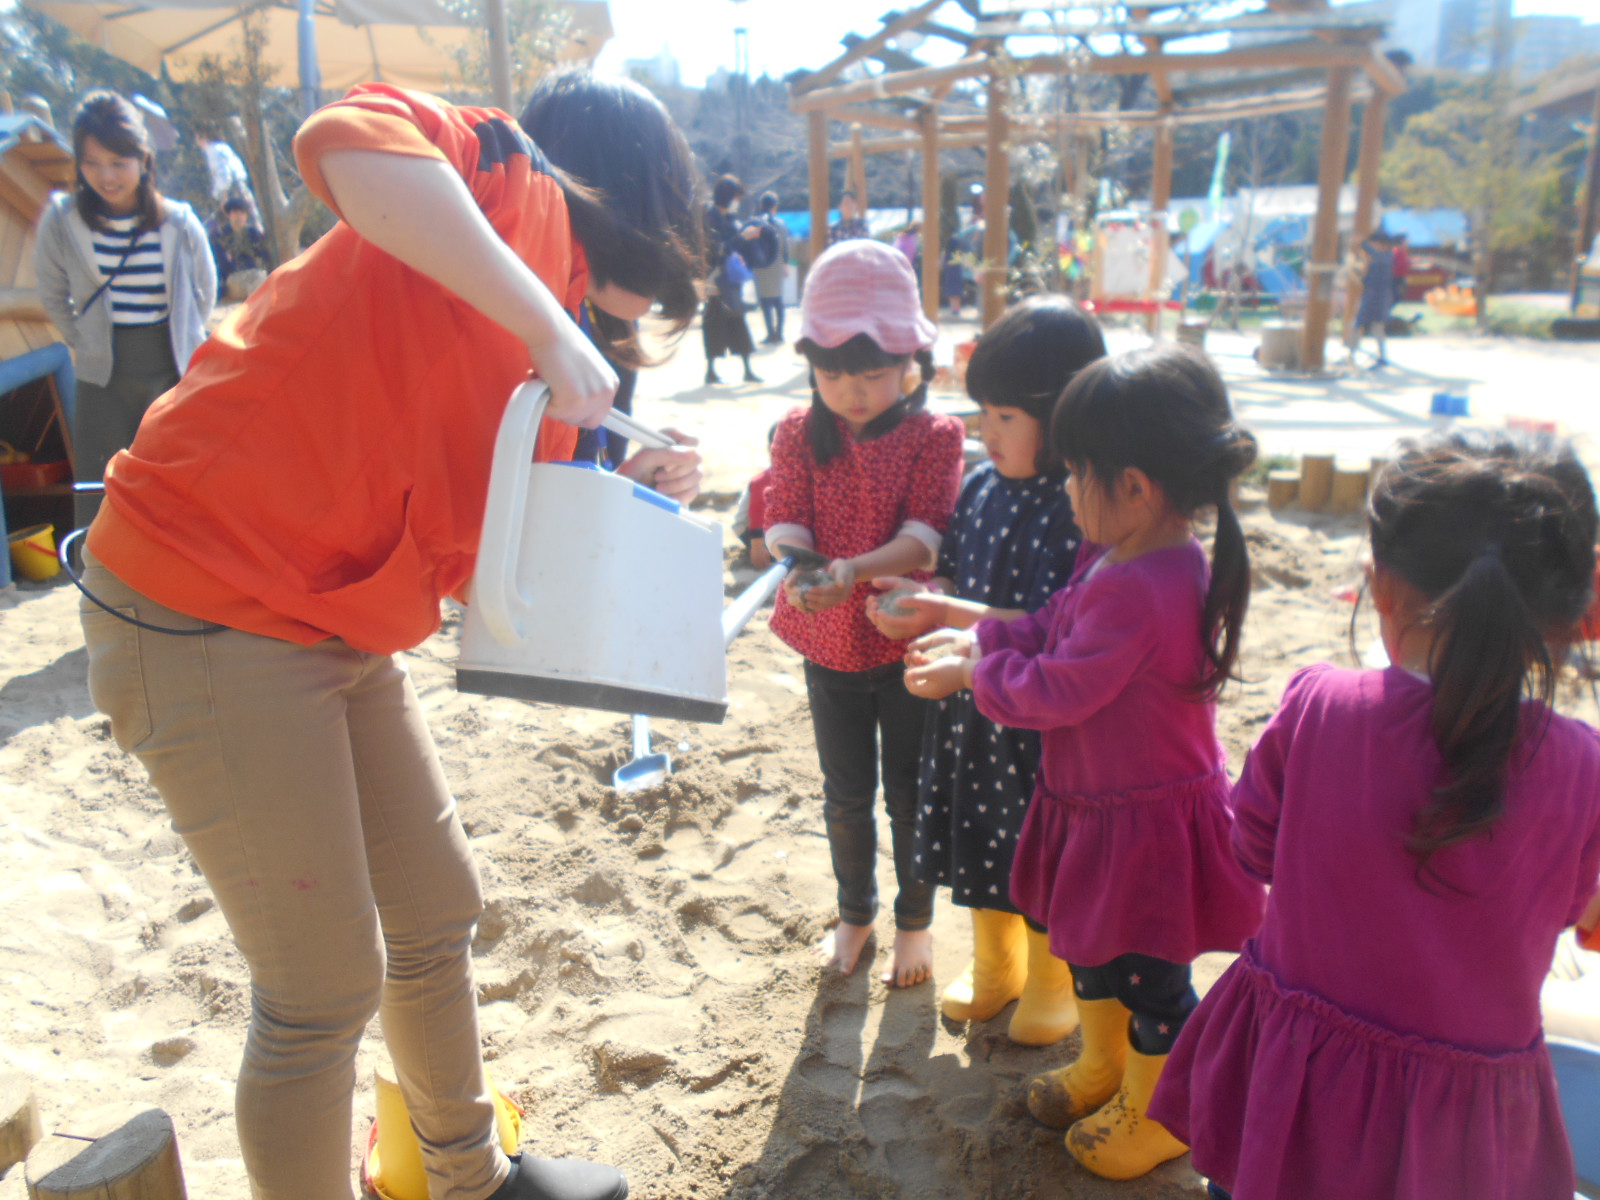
[1125,848]
[1380,1037]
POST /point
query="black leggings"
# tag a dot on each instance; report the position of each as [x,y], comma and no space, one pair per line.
[1157,992]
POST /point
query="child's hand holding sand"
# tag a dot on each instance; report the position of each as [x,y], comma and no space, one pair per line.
[892,613]
[941,662]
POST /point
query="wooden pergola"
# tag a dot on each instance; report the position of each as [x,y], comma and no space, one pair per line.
[1286,55]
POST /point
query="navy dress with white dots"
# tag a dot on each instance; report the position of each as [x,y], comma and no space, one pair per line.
[1012,543]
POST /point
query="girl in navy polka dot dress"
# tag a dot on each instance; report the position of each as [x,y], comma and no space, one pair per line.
[1012,543]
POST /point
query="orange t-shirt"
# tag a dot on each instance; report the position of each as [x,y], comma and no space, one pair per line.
[321,469]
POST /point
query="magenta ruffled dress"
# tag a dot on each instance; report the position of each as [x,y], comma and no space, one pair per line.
[1380,1039]
[1126,846]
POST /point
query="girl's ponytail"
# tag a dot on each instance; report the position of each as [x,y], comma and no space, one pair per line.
[1489,651]
[1228,597]
[1497,534]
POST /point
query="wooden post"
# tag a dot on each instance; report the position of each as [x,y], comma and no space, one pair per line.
[1283,489]
[500,55]
[125,1152]
[19,1119]
[1589,215]
[1160,197]
[1372,123]
[1316,481]
[858,169]
[932,241]
[817,179]
[1348,493]
[1325,231]
[996,201]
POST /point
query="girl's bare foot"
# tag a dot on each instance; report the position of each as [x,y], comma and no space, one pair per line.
[842,947]
[913,958]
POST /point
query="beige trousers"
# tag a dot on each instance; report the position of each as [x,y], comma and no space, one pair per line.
[307,787]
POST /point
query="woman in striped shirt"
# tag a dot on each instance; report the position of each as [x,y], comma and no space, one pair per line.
[127,276]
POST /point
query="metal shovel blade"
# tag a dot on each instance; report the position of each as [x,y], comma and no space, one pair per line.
[643,770]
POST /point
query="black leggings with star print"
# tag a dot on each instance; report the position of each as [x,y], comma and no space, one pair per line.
[1156,991]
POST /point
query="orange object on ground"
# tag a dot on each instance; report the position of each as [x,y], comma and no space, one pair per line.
[321,469]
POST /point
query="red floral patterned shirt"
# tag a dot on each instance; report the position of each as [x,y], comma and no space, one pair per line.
[859,501]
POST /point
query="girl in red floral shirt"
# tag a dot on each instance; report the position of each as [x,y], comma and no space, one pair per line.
[868,477]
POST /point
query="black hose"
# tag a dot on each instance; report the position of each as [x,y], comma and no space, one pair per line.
[64,553]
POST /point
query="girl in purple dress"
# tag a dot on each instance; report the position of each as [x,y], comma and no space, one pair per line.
[1124,854]
[1428,831]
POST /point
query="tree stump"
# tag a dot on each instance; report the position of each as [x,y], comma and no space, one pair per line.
[123,1152]
[1280,345]
[1348,493]
[19,1119]
[1316,481]
[1283,489]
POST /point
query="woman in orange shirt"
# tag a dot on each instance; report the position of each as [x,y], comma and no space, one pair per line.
[289,518]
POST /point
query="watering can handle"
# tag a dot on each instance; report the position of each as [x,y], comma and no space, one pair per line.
[496,577]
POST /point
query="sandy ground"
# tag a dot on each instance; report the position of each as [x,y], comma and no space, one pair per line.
[646,985]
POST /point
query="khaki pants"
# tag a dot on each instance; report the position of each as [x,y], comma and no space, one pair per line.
[309,792]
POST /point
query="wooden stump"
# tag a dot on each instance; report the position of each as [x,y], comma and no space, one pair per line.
[19,1120]
[1283,489]
[1316,481]
[1280,345]
[1349,490]
[124,1152]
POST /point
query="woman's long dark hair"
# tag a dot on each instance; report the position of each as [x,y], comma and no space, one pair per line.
[1166,412]
[632,192]
[856,357]
[1029,356]
[116,124]
[1498,532]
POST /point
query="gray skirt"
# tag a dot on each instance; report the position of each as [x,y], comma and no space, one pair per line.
[106,418]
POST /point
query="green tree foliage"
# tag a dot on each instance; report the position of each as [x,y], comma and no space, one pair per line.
[1466,152]
[539,33]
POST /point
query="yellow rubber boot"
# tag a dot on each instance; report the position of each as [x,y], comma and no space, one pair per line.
[1058,1098]
[392,1167]
[998,970]
[1047,1011]
[1121,1141]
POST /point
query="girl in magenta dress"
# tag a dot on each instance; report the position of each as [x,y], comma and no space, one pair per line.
[1428,831]
[1124,856]
[868,477]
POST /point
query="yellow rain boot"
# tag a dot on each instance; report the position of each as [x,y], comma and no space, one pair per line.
[998,970]
[1121,1141]
[1048,1011]
[392,1167]
[1058,1098]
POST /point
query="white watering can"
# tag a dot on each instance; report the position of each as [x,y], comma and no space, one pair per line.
[593,591]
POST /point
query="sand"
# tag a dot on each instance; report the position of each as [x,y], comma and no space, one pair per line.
[646,981]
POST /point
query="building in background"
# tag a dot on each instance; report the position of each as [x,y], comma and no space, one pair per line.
[660,71]
[1543,43]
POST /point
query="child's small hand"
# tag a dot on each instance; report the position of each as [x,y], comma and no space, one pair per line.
[908,621]
[826,595]
[942,644]
[939,678]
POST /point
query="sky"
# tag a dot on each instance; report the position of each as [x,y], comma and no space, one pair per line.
[789,35]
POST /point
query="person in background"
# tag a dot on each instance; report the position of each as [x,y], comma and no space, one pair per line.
[770,278]
[750,517]
[1377,296]
[228,174]
[851,224]
[909,242]
[723,328]
[126,275]
[237,243]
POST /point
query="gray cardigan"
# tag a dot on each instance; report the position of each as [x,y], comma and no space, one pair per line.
[63,260]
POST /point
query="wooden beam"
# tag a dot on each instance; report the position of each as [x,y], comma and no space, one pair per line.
[858,169]
[1310,53]
[876,118]
[1325,227]
[932,222]
[1385,74]
[895,84]
[996,202]
[817,180]
[867,46]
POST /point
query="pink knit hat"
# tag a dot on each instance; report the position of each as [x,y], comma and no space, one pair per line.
[863,286]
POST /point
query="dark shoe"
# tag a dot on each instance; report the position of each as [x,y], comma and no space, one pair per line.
[560,1179]
[711,378]
[750,376]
